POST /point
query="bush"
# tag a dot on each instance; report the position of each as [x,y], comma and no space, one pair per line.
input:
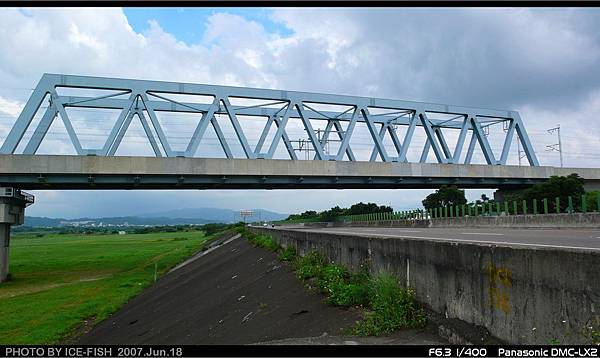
[210,229]
[348,294]
[309,265]
[263,241]
[341,288]
[288,254]
[392,308]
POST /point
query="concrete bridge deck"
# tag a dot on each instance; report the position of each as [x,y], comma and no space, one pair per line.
[128,172]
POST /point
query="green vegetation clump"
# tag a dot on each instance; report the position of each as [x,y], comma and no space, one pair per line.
[310,265]
[264,241]
[392,308]
[556,186]
[287,254]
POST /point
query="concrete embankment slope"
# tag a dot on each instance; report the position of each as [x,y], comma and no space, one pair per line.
[235,294]
[521,295]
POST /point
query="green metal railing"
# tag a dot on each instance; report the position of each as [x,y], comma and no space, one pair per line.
[525,207]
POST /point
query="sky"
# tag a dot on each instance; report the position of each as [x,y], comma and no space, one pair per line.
[542,62]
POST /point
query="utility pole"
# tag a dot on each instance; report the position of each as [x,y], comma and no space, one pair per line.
[552,147]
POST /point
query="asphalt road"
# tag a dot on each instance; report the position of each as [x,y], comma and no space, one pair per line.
[562,239]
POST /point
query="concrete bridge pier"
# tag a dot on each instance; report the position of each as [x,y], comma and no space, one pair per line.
[12,212]
[4,245]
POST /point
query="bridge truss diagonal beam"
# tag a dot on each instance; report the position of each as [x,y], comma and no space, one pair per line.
[145,99]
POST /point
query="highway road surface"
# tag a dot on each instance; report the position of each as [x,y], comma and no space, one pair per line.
[588,239]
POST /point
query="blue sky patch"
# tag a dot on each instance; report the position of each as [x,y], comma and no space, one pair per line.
[189,24]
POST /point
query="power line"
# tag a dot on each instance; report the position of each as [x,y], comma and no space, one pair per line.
[553,147]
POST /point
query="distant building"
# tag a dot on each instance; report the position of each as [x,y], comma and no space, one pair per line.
[122,232]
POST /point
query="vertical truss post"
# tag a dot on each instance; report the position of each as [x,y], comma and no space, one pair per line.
[121,134]
[238,129]
[471,149]
[320,155]
[342,136]
[373,131]
[408,136]
[148,132]
[481,138]
[425,152]
[280,129]
[381,135]
[461,140]
[201,127]
[445,149]
[106,149]
[524,138]
[345,144]
[263,135]
[431,137]
[157,127]
[67,122]
[507,142]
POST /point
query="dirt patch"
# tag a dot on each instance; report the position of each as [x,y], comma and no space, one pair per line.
[81,329]
[19,291]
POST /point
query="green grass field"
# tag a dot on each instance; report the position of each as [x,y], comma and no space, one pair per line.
[60,281]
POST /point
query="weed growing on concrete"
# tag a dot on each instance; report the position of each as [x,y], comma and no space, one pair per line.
[288,254]
[392,308]
[341,287]
[264,241]
[310,265]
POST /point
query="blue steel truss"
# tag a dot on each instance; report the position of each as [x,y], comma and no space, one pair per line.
[144,99]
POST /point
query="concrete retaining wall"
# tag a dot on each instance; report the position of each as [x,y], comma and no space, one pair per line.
[521,295]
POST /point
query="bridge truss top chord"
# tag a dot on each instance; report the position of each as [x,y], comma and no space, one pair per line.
[145,99]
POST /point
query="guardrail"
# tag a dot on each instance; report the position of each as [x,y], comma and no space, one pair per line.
[417,214]
[492,208]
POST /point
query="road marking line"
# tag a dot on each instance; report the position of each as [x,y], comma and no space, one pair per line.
[481,233]
[470,241]
[395,230]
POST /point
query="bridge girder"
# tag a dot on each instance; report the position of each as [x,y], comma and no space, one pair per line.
[146,98]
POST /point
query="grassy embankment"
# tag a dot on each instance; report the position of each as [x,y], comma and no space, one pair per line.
[388,306]
[60,281]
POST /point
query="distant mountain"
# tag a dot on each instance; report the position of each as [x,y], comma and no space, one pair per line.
[34,221]
[172,217]
[217,215]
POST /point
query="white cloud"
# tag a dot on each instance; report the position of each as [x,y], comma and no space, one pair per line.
[10,107]
[541,62]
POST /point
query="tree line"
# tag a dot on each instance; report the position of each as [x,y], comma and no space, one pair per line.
[561,187]
[333,213]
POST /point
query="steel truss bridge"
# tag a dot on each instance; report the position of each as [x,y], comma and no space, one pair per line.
[144,99]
